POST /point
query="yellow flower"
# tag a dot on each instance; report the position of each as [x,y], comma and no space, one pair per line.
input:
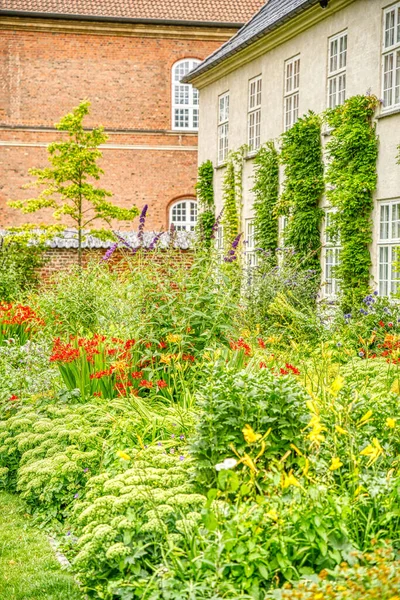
[316,434]
[395,386]
[337,385]
[272,514]
[336,464]
[341,430]
[288,480]
[174,338]
[373,450]
[123,455]
[249,435]
[245,333]
[166,359]
[295,448]
[391,422]
[248,461]
[365,418]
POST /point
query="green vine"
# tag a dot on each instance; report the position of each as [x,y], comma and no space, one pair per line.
[232,195]
[266,193]
[205,195]
[351,173]
[301,155]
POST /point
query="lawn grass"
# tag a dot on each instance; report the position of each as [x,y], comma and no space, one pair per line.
[28,567]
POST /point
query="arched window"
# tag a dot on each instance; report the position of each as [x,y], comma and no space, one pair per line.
[185,98]
[183,215]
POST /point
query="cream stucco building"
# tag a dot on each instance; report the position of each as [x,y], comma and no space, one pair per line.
[300,55]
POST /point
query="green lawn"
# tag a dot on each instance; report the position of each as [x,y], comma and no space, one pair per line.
[28,567]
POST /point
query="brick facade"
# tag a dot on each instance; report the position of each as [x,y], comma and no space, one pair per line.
[47,67]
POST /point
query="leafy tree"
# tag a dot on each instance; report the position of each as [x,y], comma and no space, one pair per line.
[69,182]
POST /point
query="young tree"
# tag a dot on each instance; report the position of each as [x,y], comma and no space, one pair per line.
[69,182]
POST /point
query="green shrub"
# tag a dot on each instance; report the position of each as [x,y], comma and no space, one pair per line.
[126,519]
[19,268]
[231,399]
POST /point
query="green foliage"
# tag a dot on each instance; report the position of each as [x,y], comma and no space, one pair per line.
[232,196]
[205,195]
[68,188]
[20,264]
[127,518]
[232,399]
[281,298]
[351,173]
[266,192]
[301,155]
[363,577]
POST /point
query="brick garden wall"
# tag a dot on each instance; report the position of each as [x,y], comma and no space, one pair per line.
[44,74]
[62,259]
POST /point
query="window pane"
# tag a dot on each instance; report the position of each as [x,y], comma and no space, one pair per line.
[343,52]
[333,56]
[383,270]
[384,222]
[397,79]
[389,28]
[388,79]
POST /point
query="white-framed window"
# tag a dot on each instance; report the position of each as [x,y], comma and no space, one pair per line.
[337,63]
[391,57]
[219,243]
[292,87]
[183,215]
[223,127]
[389,248]
[254,114]
[331,259]
[251,256]
[185,98]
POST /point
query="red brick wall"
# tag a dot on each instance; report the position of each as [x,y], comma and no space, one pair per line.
[62,259]
[128,80]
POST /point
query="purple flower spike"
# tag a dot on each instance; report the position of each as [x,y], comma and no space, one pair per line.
[110,251]
[76,496]
[142,220]
[155,241]
[216,225]
[181,457]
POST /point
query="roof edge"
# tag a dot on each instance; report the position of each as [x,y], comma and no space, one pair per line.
[77,17]
[200,70]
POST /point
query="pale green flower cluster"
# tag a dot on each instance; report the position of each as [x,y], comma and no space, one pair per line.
[47,451]
[126,516]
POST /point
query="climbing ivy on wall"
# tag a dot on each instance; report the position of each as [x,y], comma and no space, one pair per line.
[205,196]
[266,193]
[301,155]
[232,195]
[352,177]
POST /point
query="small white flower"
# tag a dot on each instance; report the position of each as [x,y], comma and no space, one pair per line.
[228,463]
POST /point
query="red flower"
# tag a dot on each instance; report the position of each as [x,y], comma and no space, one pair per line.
[101,374]
[283,371]
[137,374]
[293,369]
[189,357]
[129,344]
[381,323]
[161,383]
[263,365]
[162,345]
[240,344]
[13,398]
[97,394]
[146,384]
[261,343]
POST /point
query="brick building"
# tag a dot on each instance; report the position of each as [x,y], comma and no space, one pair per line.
[126,57]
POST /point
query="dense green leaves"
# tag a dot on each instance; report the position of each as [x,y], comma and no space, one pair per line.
[301,155]
[352,177]
[266,192]
[205,195]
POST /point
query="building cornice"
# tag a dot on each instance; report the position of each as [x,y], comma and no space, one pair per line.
[217,33]
[271,40]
